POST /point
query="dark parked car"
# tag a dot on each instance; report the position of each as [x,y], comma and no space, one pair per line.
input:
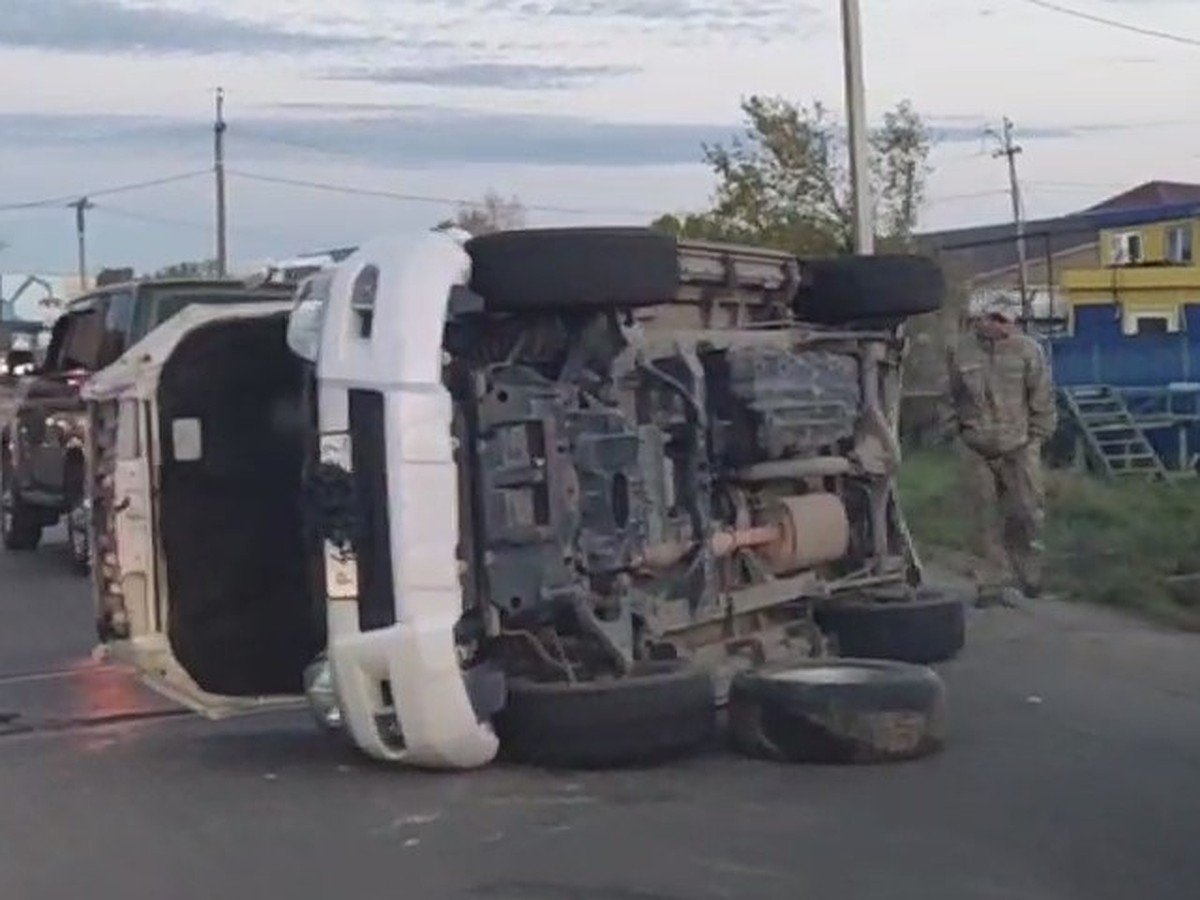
[42,474]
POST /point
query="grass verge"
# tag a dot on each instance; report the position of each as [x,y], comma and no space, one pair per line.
[1128,544]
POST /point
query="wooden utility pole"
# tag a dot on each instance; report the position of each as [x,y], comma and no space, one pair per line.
[219,174]
[81,206]
[856,119]
[1011,150]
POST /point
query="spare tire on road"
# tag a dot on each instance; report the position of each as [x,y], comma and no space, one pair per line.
[851,289]
[929,627]
[573,268]
[662,711]
[838,711]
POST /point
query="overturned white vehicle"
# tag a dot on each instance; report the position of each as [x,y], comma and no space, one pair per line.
[556,493]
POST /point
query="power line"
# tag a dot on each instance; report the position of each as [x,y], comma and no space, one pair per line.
[1114,23]
[104,192]
[196,224]
[456,201]
[973,195]
[425,198]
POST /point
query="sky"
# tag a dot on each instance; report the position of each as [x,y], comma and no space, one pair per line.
[591,111]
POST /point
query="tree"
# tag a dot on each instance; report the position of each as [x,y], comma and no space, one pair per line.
[492,213]
[785,182]
[207,268]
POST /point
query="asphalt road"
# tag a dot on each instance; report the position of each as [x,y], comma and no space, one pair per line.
[1072,773]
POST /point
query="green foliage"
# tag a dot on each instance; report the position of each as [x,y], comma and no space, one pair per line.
[1118,543]
[785,182]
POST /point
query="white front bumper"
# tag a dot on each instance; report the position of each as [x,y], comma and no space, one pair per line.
[438,725]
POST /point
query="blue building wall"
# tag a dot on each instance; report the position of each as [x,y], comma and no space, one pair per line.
[1158,373]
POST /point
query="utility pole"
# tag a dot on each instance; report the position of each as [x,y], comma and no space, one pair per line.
[856,119]
[1011,150]
[219,173]
[81,206]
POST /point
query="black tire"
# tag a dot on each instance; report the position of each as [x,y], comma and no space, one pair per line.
[20,527]
[838,712]
[663,711]
[929,627]
[869,288]
[574,268]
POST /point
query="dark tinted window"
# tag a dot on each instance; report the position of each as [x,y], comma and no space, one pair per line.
[118,325]
[362,299]
[1152,325]
[167,305]
[78,341]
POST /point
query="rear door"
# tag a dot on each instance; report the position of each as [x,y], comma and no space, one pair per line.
[155,447]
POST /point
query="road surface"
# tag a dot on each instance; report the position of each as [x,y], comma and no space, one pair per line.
[1072,773]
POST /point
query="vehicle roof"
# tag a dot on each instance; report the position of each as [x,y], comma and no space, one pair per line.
[222,285]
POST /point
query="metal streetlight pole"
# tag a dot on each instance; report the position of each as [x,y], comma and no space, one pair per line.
[856,118]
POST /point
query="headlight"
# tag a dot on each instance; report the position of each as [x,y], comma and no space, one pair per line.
[321,696]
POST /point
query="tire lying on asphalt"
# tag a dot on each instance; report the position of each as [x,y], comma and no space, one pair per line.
[868,288]
[662,711]
[927,628]
[573,268]
[838,711]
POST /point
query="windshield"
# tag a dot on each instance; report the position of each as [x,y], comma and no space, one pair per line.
[78,342]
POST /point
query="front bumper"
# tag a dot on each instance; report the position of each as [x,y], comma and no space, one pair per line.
[401,696]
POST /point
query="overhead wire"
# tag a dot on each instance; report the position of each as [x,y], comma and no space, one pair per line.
[154,219]
[103,192]
[424,198]
[1116,23]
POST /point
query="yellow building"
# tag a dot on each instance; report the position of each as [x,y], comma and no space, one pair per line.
[1149,268]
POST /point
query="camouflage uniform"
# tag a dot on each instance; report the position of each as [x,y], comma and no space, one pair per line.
[1003,406]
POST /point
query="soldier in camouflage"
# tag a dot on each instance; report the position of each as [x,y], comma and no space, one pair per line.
[1003,408]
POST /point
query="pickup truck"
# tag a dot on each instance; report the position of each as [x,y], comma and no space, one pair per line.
[42,458]
[553,493]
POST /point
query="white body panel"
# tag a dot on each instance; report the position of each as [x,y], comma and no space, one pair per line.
[402,359]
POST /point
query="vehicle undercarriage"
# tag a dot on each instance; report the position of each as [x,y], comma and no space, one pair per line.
[642,491]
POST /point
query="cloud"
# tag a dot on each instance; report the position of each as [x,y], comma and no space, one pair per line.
[106,26]
[673,11]
[422,135]
[394,137]
[505,76]
[731,19]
